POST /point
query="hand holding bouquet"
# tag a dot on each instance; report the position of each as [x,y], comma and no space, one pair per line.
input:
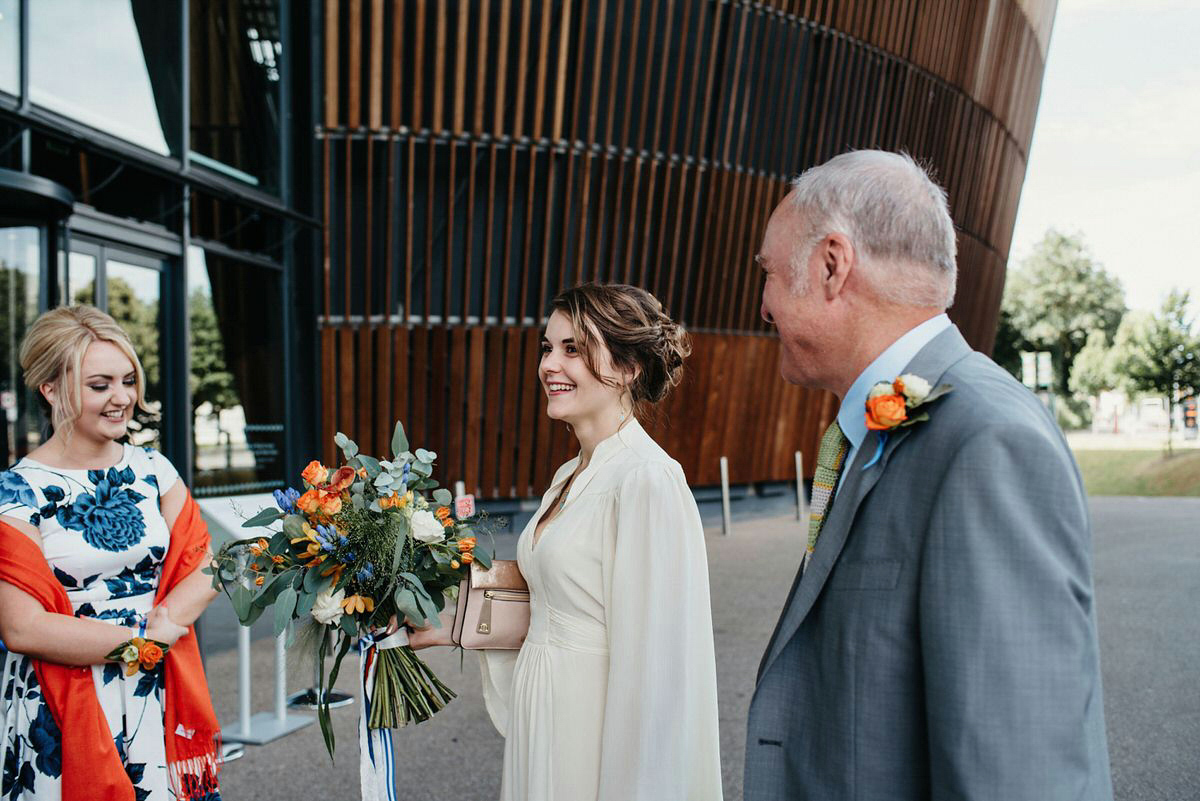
[360,545]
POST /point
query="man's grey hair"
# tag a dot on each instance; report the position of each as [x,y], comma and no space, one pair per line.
[896,216]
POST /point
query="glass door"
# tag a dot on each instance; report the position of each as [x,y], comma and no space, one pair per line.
[20,271]
[129,286]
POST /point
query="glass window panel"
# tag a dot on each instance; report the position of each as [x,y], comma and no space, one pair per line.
[134,292]
[236,381]
[20,259]
[114,65]
[81,278]
[235,54]
[10,46]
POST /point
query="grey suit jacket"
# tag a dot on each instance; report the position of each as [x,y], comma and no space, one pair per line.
[942,644]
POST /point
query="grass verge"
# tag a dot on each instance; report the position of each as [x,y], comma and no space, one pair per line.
[1140,472]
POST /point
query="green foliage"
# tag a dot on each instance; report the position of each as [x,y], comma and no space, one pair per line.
[1058,297]
[1092,372]
[210,380]
[1159,353]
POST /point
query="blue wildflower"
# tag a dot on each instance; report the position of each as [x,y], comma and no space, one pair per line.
[367,573]
[286,499]
[342,541]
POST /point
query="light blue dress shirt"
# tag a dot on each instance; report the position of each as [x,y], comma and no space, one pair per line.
[891,363]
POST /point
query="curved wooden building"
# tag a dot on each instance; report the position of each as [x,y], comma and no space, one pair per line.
[478,156]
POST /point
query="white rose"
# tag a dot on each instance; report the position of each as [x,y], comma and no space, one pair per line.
[916,389]
[426,528]
[879,390]
[327,608]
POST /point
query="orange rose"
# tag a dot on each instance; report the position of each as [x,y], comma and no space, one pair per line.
[309,502]
[149,655]
[467,557]
[341,479]
[442,512]
[331,503]
[316,473]
[885,412]
[466,544]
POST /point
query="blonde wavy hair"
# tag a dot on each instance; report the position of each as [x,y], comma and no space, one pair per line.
[52,353]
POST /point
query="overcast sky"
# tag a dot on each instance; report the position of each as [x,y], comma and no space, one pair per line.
[1116,149]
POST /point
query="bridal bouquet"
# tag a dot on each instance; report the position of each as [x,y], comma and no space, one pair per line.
[361,543]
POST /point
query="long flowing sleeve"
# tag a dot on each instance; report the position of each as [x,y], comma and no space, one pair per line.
[660,739]
[496,669]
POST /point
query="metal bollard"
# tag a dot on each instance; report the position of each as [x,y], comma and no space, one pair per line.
[265,726]
[310,698]
[801,510]
[726,514]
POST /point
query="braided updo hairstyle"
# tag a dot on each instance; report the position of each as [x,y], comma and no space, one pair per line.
[639,334]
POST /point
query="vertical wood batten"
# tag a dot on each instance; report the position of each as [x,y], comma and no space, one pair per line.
[667,182]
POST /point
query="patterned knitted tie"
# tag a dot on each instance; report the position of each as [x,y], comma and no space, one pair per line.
[830,459]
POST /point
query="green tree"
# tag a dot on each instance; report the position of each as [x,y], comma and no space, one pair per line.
[1059,296]
[1159,354]
[210,380]
[1092,372]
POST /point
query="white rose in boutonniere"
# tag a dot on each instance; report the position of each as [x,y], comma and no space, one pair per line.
[914,389]
[879,390]
[426,528]
[327,607]
[889,403]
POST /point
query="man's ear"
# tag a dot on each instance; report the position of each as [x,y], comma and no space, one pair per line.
[837,260]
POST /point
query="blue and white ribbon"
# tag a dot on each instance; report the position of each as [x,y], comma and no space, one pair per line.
[376,759]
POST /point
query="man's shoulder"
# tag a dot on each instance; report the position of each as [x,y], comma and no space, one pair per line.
[986,398]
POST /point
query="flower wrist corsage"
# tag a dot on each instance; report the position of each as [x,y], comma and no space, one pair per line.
[138,653]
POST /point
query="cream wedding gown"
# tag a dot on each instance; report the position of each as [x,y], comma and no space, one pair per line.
[613,696]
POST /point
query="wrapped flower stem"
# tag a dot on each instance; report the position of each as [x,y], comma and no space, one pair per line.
[406,690]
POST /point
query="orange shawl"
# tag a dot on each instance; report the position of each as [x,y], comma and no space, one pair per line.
[91,768]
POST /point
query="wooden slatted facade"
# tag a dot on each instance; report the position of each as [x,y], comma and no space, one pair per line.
[477,156]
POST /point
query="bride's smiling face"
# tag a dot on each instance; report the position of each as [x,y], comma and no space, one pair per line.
[573,394]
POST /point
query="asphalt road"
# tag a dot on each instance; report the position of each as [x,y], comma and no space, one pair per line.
[1148,588]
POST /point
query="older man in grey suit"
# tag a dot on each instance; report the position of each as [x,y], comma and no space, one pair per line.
[939,641]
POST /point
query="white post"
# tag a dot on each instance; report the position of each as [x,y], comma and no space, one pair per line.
[460,489]
[800,510]
[726,516]
[244,679]
[281,677]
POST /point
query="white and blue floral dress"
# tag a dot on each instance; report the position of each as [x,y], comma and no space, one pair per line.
[104,537]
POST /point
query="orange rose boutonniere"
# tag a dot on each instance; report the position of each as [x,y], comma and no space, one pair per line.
[898,403]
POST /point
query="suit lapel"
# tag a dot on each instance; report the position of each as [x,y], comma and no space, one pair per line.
[931,363]
[857,483]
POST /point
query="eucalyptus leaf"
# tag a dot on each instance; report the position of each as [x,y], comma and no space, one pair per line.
[399,440]
[370,463]
[340,439]
[406,605]
[241,598]
[254,614]
[483,557]
[426,456]
[285,604]
[293,526]
[349,626]
[384,480]
[265,517]
[304,603]
[443,497]
[312,578]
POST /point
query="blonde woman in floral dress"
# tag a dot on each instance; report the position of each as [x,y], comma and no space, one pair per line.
[613,696]
[100,515]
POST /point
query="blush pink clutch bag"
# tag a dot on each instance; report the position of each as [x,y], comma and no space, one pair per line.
[492,612]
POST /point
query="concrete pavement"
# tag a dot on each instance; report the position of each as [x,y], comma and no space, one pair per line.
[1148,582]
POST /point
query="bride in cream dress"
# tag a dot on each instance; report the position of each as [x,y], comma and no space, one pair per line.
[613,696]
